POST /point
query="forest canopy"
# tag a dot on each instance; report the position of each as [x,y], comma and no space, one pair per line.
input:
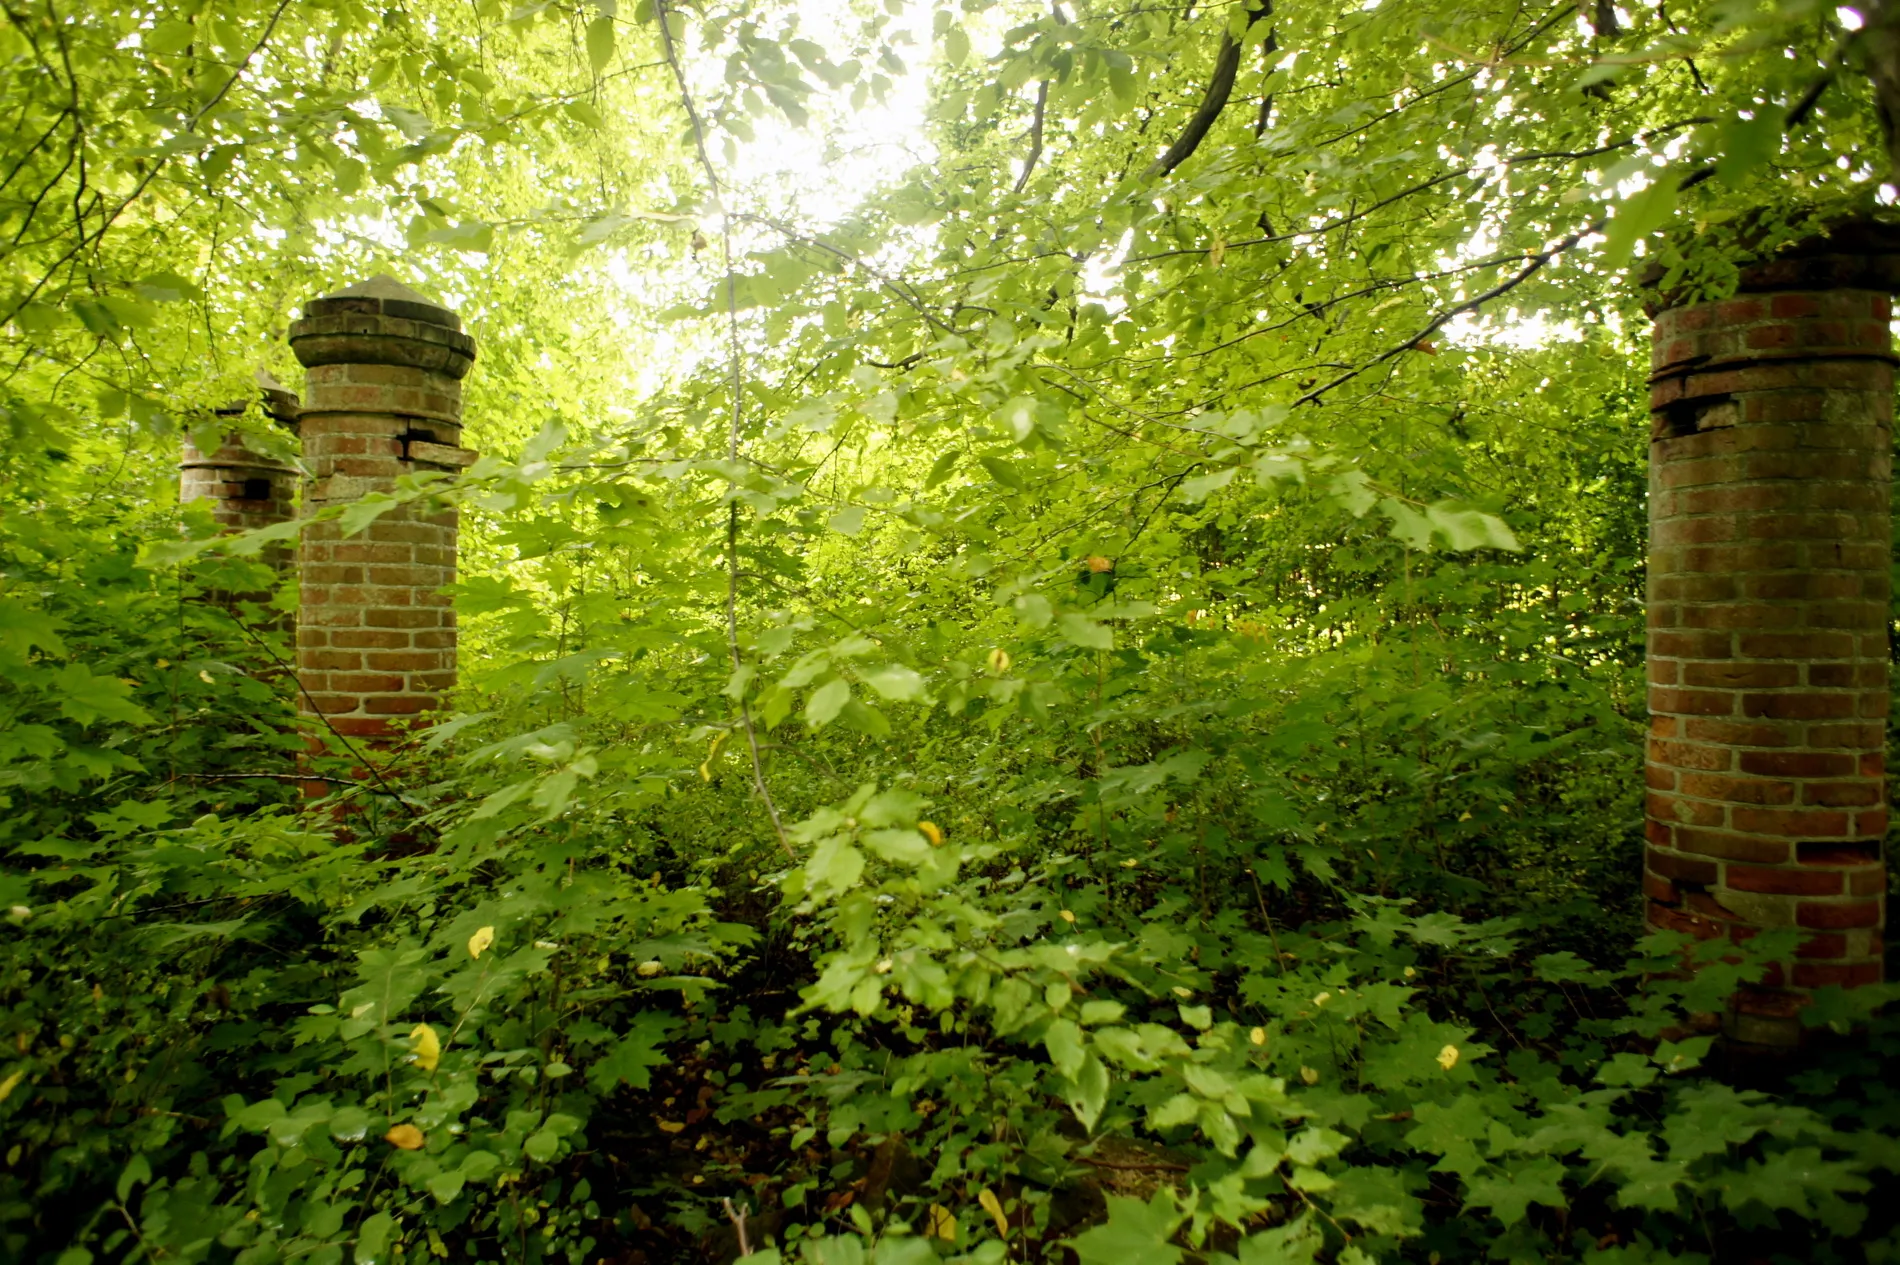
[1050,636]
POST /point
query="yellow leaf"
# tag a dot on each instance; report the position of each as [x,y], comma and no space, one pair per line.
[480,941]
[668,1126]
[426,1046]
[647,970]
[1217,252]
[1258,1036]
[1310,1075]
[404,1136]
[941,1225]
[1067,916]
[931,831]
[994,1207]
[1099,564]
[11,1083]
[999,660]
[205,677]
[1448,1057]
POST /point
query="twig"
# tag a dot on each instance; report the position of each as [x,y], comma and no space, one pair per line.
[737,1217]
[737,353]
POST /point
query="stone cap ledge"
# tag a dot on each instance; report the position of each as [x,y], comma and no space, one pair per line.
[375,339]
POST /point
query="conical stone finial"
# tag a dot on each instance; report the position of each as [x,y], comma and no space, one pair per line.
[383,286]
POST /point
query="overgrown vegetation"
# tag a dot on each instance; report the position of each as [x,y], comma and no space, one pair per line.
[1080,698]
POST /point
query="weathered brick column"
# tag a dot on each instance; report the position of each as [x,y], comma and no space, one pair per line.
[1769,551]
[245,489]
[382,399]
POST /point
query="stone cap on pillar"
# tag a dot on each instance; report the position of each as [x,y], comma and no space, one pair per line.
[381,321]
[279,400]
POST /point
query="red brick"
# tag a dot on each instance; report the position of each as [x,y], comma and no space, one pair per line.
[1692,755]
[1861,735]
[404,660]
[377,639]
[1823,645]
[1668,919]
[1736,790]
[1788,305]
[1659,778]
[1869,882]
[1679,811]
[1736,674]
[398,704]
[1846,974]
[1690,645]
[1681,868]
[1732,847]
[1831,945]
[365,682]
[1660,889]
[1801,705]
[1797,763]
[1834,915]
[1792,822]
[1740,735]
[1691,702]
[1783,881]
[1842,794]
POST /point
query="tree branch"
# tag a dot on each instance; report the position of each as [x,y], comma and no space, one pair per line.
[1213,101]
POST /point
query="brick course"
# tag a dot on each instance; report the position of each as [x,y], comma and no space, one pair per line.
[383,399]
[1770,537]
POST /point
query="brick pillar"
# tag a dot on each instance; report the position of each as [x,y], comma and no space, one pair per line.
[383,399]
[246,489]
[1769,551]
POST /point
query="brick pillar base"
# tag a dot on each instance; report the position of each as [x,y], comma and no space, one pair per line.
[1769,553]
[383,399]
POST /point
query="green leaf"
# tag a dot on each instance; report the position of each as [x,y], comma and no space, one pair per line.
[1295,1243]
[361,513]
[1746,144]
[1080,630]
[1638,217]
[632,1059]
[826,702]
[1510,1194]
[1201,486]
[600,43]
[848,521]
[1135,1233]
[372,1236]
[1066,1045]
[895,682]
[1003,471]
[1087,1091]
[87,699]
[137,1172]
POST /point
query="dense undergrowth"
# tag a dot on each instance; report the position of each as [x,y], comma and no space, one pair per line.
[1068,689]
[1260,944]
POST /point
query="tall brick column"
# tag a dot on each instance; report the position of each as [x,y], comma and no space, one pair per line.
[382,399]
[1769,552]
